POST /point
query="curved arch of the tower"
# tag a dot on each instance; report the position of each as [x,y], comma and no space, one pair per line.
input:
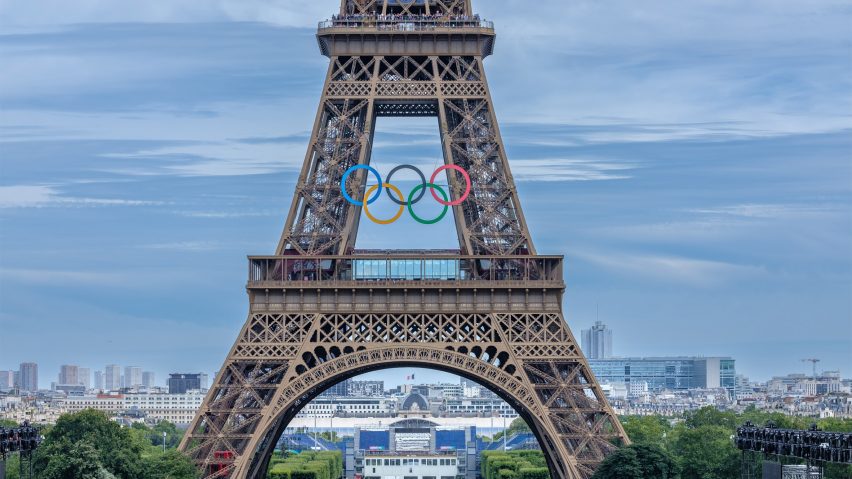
[491,312]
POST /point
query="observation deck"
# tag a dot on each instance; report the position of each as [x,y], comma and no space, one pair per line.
[406,283]
[400,269]
[406,35]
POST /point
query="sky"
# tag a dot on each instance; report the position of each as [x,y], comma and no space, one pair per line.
[691,160]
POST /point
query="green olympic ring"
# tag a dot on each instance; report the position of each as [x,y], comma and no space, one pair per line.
[411,203]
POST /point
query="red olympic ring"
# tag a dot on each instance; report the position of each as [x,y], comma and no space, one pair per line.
[466,179]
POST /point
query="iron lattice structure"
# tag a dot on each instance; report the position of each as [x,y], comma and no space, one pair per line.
[491,313]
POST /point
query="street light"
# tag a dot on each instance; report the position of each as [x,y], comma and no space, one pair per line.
[504,431]
[164,442]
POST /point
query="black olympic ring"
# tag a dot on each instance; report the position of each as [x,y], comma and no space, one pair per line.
[422,181]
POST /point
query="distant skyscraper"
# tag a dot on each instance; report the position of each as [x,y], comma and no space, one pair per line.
[112,377]
[29,376]
[132,377]
[597,341]
[203,380]
[181,383]
[148,379]
[84,377]
[339,390]
[99,380]
[69,374]
[7,379]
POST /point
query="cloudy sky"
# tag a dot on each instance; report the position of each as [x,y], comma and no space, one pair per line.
[692,161]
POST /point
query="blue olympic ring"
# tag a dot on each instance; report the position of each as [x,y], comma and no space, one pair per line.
[346,177]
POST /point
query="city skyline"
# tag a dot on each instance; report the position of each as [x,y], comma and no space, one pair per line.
[704,215]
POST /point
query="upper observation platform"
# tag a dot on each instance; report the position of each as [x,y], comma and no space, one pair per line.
[406,268]
[406,34]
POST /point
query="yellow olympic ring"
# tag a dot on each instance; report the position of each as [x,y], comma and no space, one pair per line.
[398,214]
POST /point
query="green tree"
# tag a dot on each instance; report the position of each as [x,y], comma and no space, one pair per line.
[710,416]
[115,447]
[154,435]
[639,461]
[706,452]
[101,447]
[171,465]
[622,464]
[647,429]
[79,460]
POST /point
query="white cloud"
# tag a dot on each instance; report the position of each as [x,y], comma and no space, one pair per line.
[41,196]
[766,211]
[225,158]
[673,269]
[569,169]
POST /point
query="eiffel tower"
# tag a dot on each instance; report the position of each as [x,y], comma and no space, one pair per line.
[321,312]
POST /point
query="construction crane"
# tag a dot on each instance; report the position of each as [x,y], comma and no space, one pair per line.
[814,362]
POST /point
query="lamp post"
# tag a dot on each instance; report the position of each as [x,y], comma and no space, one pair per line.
[164,442]
[504,432]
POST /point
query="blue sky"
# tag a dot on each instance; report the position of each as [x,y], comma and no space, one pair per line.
[692,161]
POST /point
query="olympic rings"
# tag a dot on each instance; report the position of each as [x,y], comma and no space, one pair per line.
[422,180]
[390,187]
[466,179]
[346,177]
[421,189]
[433,187]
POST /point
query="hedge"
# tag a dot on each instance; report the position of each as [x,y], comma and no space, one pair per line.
[307,465]
[513,465]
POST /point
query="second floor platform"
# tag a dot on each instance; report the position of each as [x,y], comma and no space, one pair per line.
[406,269]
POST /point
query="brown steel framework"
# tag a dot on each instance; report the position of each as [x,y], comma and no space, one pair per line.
[321,312]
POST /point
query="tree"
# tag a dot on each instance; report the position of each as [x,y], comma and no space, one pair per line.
[155,434]
[647,429]
[115,448]
[79,460]
[622,464]
[171,465]
[710,416]
[706,452]
[639,461]
[102,449]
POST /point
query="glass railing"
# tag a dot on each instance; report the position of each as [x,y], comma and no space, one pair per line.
[404,268]
[411,23]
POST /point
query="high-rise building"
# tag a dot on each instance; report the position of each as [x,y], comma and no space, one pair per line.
[673,373]
[7,379]
[29,377]
[112,377]
[597,341]
[132,377]
[84,377]
[99,380]
[338,390]
[203,381]
[69,374]
[148,379]
[181,383]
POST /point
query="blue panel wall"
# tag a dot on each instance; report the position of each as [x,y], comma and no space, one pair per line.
[453,439]
[375,440]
